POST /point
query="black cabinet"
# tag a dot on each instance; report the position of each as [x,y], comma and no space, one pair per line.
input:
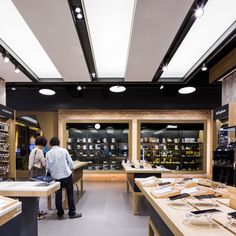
[176,146]
[103,147]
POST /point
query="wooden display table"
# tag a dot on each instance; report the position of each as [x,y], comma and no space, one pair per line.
[77,176]
[28,192]
[168,218]
[137,172]
[10,210]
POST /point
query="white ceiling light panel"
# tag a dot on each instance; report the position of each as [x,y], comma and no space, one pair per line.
[16,34]
[109,24]
[218,17]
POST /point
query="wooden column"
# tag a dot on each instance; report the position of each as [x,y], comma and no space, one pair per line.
[228,89]
[2,92]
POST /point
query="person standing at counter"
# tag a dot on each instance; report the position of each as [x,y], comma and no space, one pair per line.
[37,164]
[60,165]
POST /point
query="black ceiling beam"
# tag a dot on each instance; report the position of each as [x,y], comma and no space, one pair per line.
[81,28]
[18,64]
[182,32]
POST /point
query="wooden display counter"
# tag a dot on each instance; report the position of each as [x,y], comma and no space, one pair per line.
[170,217]
[10,210]
[28,192]
[137,172]
[77,176]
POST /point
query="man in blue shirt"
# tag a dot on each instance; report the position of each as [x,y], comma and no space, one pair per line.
[60,165]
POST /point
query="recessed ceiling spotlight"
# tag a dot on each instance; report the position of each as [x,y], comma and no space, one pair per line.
[17,70]
[162,86]
[78,10]
[5,58]
[79,16]
[93,75]
[204,68]
[117,89]
[79,87]
[97,126]
[199,12]
[164,68]
[48,92]
[187,90]
[13,88]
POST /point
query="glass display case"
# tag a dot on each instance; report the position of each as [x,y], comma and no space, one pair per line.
[224,156]
[103,145]
[176,146]
[26,132]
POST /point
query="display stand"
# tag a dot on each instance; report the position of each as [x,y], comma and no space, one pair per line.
[28,192]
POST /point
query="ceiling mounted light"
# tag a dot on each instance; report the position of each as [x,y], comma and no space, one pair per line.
[187,90]
[17,70]
[79,88]
[48,92]
[165,68]
[79,16]
[110,30]
[78,10]
[162,86]
[190,55]
[117,89]
[97,126]
[199,12]
[5,58]
[13,88]
[204,68]
[93,75]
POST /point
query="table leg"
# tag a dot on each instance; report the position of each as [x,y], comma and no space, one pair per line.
[29,222]
[12,227]
[82,185]
[135,204]
[127,186]
[49,202]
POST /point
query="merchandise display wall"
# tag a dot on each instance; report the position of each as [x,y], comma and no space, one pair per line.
[76,116]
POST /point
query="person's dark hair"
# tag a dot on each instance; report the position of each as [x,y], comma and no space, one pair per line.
[55,141]
[40,140]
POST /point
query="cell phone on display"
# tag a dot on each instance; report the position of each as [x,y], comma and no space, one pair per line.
[132,166]
[179,196]
[153,166]
[141,166]
[232,214]
[207,211]
[206,196]
[164,183]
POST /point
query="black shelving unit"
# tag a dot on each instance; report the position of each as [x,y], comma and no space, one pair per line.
[179,147]
[224,157]
[104,148]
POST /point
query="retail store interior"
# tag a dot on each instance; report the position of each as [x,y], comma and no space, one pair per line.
[140,96]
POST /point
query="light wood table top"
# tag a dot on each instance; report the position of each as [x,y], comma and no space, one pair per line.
[79,164]
[28,189]
[9,208]
[174,214]
[149,169]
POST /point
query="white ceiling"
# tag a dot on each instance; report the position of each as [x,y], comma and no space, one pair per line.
[156,23]
[53,26]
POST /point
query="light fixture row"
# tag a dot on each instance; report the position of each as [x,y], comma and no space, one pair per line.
[198,12]
[78,13]
[6,59]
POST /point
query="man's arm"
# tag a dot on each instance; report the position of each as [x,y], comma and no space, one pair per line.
[69,160]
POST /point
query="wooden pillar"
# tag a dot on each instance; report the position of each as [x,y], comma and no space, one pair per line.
[229,89]
[2,92]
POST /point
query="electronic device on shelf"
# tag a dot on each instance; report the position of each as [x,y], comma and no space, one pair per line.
[179,196]
[205,212]
[164,183]
[206,196]
[154,166]
[132,166]
[141,166]
[232,214]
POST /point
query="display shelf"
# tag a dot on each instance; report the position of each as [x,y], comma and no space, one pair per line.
[103,149]
[179,145]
